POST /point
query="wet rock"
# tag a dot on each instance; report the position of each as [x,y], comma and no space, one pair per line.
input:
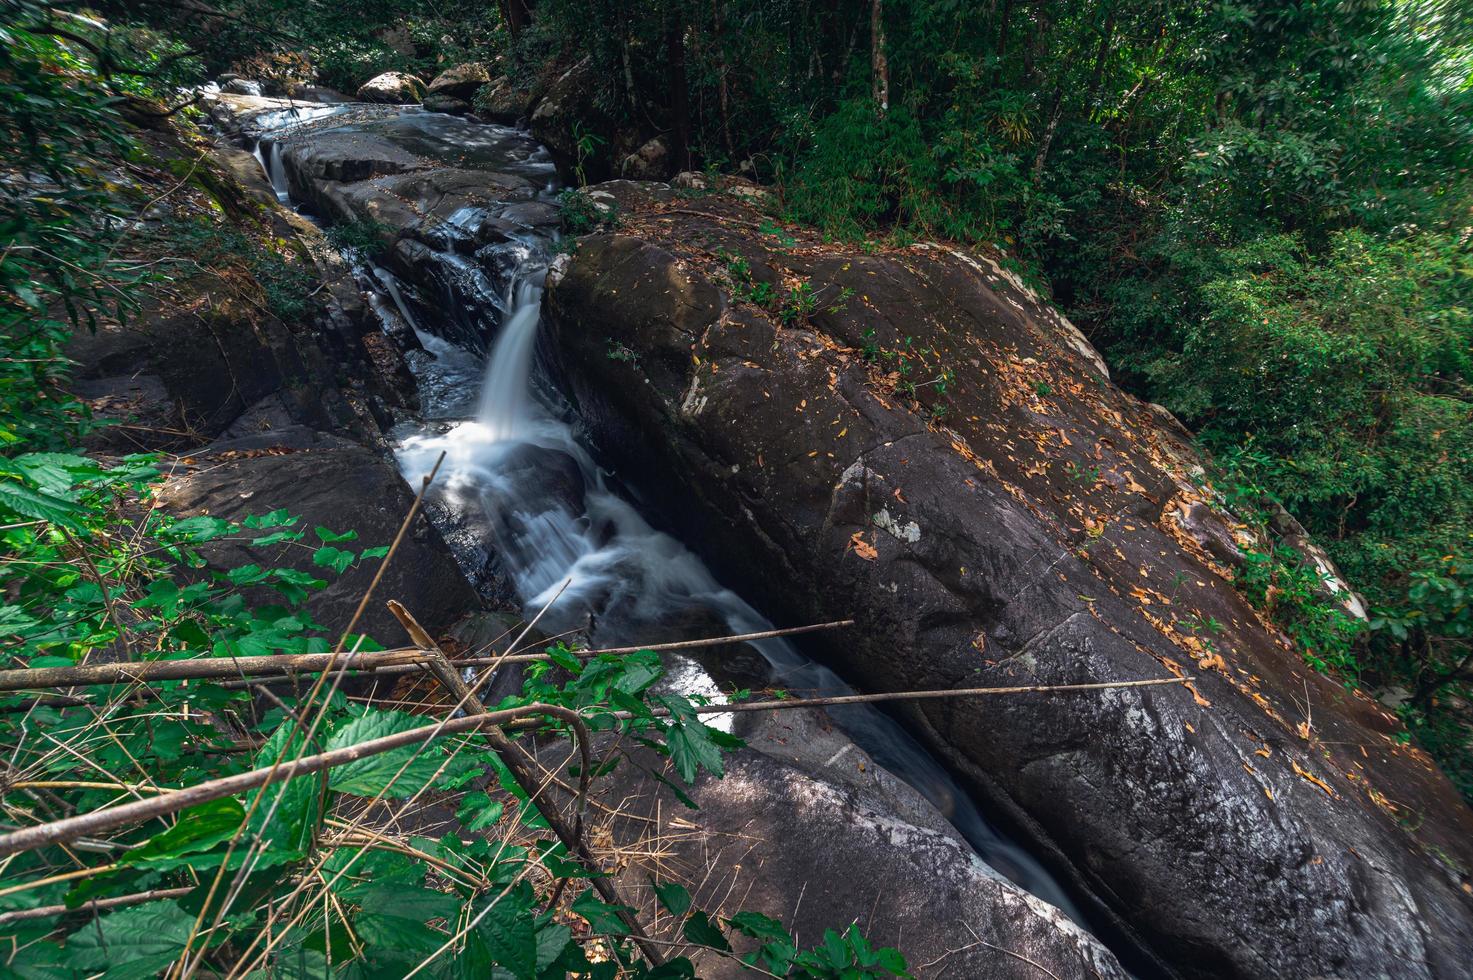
[337,484]
[504,102]
[460,82]
[315,93]
[211,361]
[242,86]
[1013,529]
[439,102]
[392,88]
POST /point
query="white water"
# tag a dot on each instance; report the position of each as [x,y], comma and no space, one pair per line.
[268,154]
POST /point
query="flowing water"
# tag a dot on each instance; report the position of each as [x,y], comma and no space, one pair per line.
[575,549]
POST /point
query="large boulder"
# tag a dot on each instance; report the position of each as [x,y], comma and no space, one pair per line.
[505,102]
[438,102]
[392,88]
[460,82]
[919,442]
[265,463]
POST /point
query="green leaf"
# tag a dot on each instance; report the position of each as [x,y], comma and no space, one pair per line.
[602,917]
[277,518]
[328,537]
[689,741]
[199,829]
[758,926]
[701,930]
[377,773]
[552,941]
[675,897]
[293,807]
[509,934]
[478,811]
[197,529]
[335,558]
[131,944]
[378,552]
[24,502]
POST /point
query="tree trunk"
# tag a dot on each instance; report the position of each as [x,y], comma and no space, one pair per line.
[679,98]
[1002,42]
[723,88]
[881,67]
[1106,33]
[518,14]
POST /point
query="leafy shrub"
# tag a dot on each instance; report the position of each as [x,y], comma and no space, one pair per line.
[365,237]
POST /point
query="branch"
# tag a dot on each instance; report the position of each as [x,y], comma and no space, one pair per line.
[965,692]
[96,905]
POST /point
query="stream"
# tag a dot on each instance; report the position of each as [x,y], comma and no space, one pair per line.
[518,470]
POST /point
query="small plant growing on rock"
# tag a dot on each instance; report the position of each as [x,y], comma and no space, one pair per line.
[582,215]
[365,238]
[618,352]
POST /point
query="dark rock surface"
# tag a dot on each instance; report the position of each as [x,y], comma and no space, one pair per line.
[818,853]
[1018,524]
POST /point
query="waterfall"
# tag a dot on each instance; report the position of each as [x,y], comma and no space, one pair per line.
[573,545]
[268,155]
[505,395]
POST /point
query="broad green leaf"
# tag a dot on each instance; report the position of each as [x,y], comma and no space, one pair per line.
[380,773]
[509,934]
[601,916]
[197,529]
[293,807]
[131,944]
[335,558]
[199,829]
[674,897]
[277,518]
[329,537]
[701,930]
[22,501]
[478,811]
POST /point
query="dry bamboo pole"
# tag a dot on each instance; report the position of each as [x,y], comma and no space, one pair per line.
[417,658]
[95,821]
[96,905]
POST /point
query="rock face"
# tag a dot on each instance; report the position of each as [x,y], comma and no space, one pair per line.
[242,86]
[273,410]
[460,82]
[649,162]
[392,88]
[927,447]
[814,855]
